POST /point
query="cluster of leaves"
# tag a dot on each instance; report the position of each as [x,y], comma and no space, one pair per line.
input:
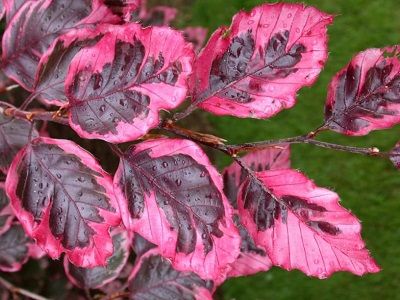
[110,67]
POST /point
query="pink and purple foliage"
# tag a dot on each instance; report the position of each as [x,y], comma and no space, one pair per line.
[255,67]
[116,87]
[64,200]
[302,226]
[166,224]
[171,195]
[365,95]
[34,27]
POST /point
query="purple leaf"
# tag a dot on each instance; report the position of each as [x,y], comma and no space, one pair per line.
[140,245]
[302,226]
[11,7]
[117,87]
[196,35]
[171,195]
[365,95]
[273,158]
[36,25]
[2,10]
[255,67]
[394,155]
[54,64]
[252,258]
[6,214]
[14,249]
[128,9]
[155,278]
[64,200]
[97,277]
[14,134]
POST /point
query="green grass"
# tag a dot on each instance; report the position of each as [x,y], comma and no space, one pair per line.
[369,187]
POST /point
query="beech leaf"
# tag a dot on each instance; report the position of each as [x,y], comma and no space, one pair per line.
[171,195]
[97,277]
[128,9]
[14,134]
[54,65]
[252,258]
[117,87]
[255,67]
[6,214]
[273,158]
[64,200]
[365,95]
[155,278]
[14,249]
[36,25]
[302,226]
[196,35]
[159,16]
[11,7]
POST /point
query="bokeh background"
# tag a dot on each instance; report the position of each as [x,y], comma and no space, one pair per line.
[370,187]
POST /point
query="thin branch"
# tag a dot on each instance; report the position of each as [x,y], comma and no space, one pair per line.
[233,150]
[16,290]
[39,115]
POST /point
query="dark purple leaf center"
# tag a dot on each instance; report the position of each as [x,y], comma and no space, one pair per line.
[51,177]
[183,189]
[243,60]
[352,103]
[266,208]
[108,97]
[156,279]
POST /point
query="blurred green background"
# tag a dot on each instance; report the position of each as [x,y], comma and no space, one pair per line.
[368,186]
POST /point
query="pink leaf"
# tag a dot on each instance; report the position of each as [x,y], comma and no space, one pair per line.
[64,200]
[36,25]
[171,195]
[2,10]
[14,249]
[252,259]
[159,16]
[117,87]
[128,9]
[54,65]
[394,155]
[365,95]
[11,7]
[155,278]
[14,134]
[273,158]
[196,35]
[6,214]
[35,251]
[97,277]
[255,67]
[302,226]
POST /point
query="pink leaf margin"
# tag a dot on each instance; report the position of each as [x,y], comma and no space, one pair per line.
[313,23]
[100,247]
[312,252]
[214,265]
[167,97]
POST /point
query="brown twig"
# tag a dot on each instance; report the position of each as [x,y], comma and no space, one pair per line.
[40,115]
[233,150]
[16,290]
